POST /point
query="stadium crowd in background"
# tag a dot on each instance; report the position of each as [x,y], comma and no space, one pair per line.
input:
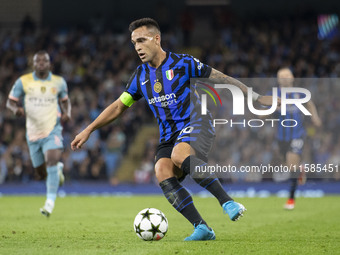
[96,67]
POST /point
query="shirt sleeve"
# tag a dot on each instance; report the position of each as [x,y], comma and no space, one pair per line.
[133,86]
[17,91]
[198,69]
[63,93]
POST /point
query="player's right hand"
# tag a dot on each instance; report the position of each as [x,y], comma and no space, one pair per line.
[20,112]
[64,118]
[316,121]
[80,139]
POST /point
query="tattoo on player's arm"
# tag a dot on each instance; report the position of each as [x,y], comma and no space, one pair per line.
[220,78]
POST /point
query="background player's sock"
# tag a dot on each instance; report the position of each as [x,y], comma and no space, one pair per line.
[52,182]
[181,200]
[206,180]
[293,185]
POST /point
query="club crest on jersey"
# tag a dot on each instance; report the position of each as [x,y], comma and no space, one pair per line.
[157,87]
[54,90]
[43,89]
[169,74]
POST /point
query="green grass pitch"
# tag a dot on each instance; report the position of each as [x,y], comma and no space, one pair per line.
[104,225]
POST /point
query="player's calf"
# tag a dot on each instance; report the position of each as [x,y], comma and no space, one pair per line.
[40,173]
[60,166]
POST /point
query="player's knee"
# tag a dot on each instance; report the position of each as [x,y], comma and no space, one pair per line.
[52,157]
[163,171]
[180,152]
[177,158]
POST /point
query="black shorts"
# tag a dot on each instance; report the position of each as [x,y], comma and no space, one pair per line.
[294,146]
[200,135]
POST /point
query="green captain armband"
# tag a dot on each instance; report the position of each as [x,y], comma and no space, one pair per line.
[126,99]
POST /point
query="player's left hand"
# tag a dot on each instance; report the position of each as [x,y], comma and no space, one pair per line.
[268,100]
[80,139]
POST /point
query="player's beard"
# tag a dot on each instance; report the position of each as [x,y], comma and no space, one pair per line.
[149,57]
[42,73]
[145,58]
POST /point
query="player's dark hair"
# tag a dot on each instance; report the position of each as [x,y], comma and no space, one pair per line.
[285,67]
[148,22]
[41,52]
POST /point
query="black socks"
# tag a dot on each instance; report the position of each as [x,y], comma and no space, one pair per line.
[205,179]
[293,184]
[181,200]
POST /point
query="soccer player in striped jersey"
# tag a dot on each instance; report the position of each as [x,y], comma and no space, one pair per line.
[46,103]
[291,139]
[186,137]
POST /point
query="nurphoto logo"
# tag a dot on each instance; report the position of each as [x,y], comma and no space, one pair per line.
[287,104]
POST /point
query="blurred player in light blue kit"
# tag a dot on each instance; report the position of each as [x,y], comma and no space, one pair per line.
[291,139]
[46,104]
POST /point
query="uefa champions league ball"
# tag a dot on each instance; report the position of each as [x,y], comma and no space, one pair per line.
[150,224]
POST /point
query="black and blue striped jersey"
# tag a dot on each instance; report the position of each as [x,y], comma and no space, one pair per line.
[168,91]
[294,113]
